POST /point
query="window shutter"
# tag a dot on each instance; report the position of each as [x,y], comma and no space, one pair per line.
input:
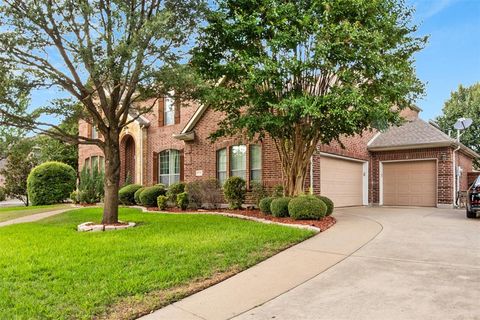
[155,168]
[161,112]
[177,111]
[182,162]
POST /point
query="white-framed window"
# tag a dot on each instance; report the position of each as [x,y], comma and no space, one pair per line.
[94,133]
[169,167]
[238,161]
[222,165]
[255,163]
[169,111]
[95,162]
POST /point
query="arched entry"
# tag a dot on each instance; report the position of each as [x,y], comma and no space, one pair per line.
[128,159]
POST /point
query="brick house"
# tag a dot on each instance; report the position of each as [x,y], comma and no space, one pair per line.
[411,165]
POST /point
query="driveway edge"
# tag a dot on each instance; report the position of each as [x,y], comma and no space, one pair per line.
[276,275]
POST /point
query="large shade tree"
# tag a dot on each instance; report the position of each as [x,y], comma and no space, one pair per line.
[463,103]
[102,56]
[307,71]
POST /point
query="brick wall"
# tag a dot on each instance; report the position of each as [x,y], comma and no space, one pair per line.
[86,151]
[444,170]
[466,163]
[471,177]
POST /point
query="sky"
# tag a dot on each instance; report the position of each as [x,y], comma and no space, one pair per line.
[451,57]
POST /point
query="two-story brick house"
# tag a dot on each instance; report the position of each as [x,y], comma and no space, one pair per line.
[414,164]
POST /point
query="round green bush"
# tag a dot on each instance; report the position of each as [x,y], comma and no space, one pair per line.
[329,204]
[175,189]
[235,191]
[3,194]
[307,208]
[162,202]
[50,182]
[136,196]
[126,195]
[279,207]
[182,200]
[149,195]
[264,205]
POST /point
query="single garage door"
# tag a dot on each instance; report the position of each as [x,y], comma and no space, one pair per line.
[410,183]
[342,181]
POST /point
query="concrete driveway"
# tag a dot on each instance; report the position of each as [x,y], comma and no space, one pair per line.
[425,264]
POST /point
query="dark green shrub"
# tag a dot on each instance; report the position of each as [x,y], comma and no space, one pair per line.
[235,191]
[50,182]
[3,194]
[264,205]
[74,196]
[126,195]
[149,195]
[91,185]
[162,202]
[136,196]
[329,204]
[279,207]
[182,200]
[204,193]
[175,189]
[307,208]
[277,191]
[258,192]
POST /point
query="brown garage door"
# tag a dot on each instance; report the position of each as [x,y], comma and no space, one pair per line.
[410,183]
[342,181]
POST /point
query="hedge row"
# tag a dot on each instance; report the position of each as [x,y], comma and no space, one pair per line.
[304,207]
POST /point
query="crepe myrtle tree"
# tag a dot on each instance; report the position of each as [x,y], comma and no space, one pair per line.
[103,55]
[307,72]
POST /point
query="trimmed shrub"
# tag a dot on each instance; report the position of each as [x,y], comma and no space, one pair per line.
[258,192]
[235,191]
[126,195]
[279,207]
[307,208]
[175,189]
[74,196]
[3,194]
[264,205]
[51,182]
[329,204]
[149,195]
[204,192]
[162,202]
[182,200]
[136,196]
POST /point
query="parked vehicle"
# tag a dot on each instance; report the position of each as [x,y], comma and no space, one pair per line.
[473,199]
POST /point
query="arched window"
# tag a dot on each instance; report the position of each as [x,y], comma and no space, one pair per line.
[169,167]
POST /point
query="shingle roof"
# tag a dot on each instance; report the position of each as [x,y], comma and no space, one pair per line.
[411,133]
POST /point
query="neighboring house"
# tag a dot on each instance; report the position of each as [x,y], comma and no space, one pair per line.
[2,178]
[414,164]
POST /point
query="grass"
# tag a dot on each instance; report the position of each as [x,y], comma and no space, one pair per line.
[8,213]
[49,270]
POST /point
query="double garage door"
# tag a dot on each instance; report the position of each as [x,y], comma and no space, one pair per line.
[409,183]
[343,181]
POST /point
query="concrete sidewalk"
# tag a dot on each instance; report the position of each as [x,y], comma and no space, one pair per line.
[34,217]
[276,275]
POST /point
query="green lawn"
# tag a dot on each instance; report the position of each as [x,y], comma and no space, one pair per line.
[8,213]
[49,270]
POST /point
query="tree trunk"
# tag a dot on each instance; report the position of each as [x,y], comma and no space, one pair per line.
[295,157]
[112,178]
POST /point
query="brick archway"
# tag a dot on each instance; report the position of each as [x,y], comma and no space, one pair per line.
[127,156]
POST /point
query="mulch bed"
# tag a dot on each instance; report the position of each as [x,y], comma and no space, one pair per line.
[322,224]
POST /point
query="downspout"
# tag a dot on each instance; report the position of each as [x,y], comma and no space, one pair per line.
[311,175]
[455,177]
[142,132]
